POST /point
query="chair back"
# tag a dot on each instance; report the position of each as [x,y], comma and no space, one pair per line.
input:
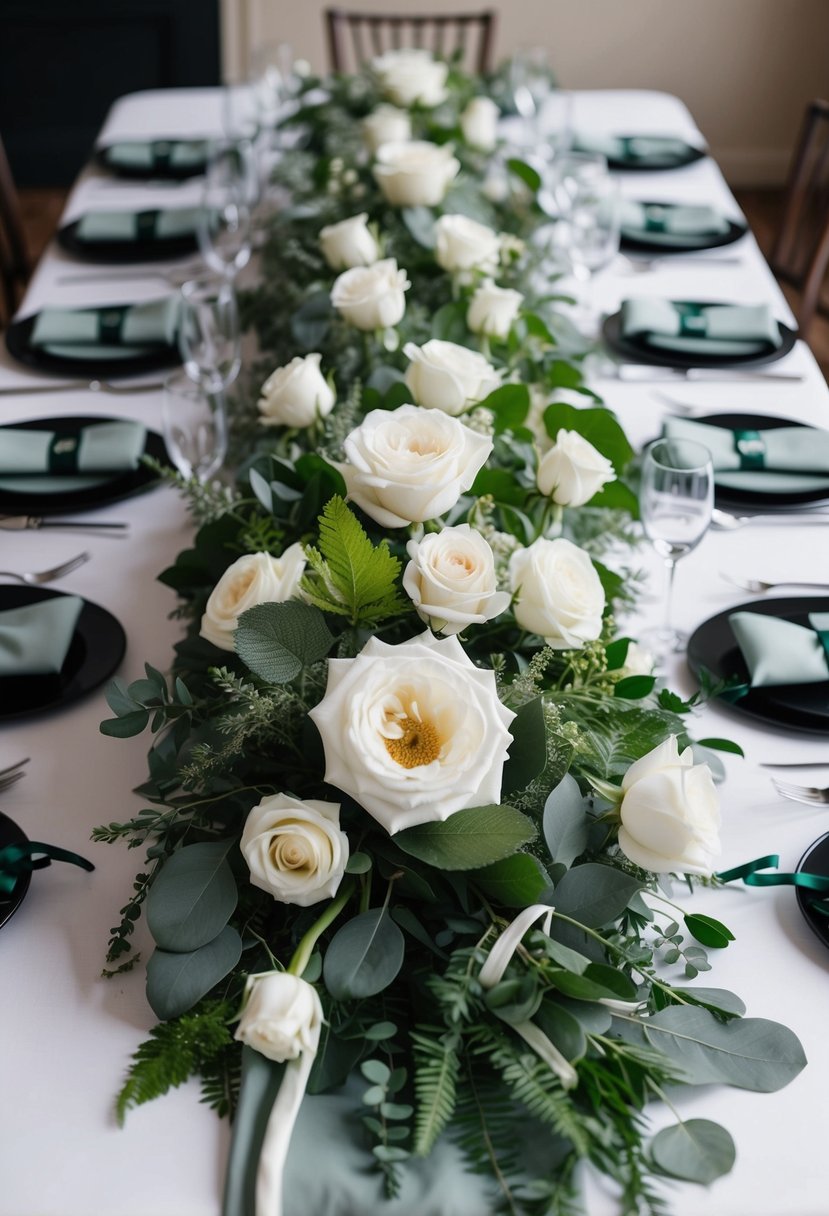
[14,261]
[355,38]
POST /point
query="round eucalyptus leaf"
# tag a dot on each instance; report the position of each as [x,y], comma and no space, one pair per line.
[696,1151]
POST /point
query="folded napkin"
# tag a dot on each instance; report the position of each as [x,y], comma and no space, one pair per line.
[151,225]
[671,220]
[111,332]
[34,640]
[785,449]
[780,652]
[730,330]
[635,149]
[100,447]
[157,154]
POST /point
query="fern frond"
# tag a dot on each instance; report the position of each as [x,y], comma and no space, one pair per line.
[532,1084]
[435,1082]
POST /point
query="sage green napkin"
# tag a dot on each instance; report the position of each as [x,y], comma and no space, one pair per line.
[729,330]
[777,651]
[157,154]
[96,227]
[100,447]
[112,332]
[671,224]
[635,149]
[34,640]
[780,460]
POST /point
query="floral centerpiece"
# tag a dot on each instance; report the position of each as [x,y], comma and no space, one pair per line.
[413,800]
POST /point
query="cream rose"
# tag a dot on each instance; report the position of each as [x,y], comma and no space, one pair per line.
[416,173]
[371,297]
[282,1016]
[451,580]
[296,394]
[464,244]
[349,243]
[386,125]
[255,578]
[670,813]
[479,123]
[448,377]
[413,732]
[411,77]
[493,309]
[295,850]
[572,471]
[559,594]
[409,465]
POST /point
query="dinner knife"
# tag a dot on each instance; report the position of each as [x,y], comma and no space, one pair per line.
[638,373]
[19,523]
[74,386]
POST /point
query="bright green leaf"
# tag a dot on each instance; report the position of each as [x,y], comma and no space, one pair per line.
[708,931]
[515,882]
[468,839]
[528,750]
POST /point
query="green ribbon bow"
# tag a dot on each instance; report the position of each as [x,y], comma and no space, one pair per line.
[19,859]
[751,874]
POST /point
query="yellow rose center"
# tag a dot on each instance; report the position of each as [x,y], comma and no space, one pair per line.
[418,744]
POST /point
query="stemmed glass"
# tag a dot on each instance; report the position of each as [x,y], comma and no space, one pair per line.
[676,498]
[195,427]
[529,76]
[589,234]
[230,189]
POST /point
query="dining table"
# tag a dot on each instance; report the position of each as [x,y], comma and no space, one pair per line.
[68,1033]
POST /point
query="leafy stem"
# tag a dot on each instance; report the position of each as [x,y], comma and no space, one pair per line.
[304,950]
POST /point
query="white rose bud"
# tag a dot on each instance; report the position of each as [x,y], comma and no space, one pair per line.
[448,377]
[638,661]
[463,244]
[349,243]
[282,1016]
[411,76]
[572,471]
[409,465]
[559,594]
[451,580]
[294,849]
[386,125]
[255,578]
[493,309]
[670,813]
[415,174]
[479,123]
[371,297]
[296,394]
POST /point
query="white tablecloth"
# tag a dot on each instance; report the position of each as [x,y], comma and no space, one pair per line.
[67,1034]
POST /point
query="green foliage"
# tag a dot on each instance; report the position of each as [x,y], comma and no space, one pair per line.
[364,956]
[193,897]
[566,822]
[697,1151]
[276,641]
[436,1078]
[350,576]
[468,839]
[176,982]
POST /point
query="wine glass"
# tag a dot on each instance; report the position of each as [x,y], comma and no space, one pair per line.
[676,498]
[530,81]
[208,334]
[231,188]
[589,233]
[274,81]
[195,427]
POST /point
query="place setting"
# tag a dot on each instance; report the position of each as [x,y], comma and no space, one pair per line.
[640,152]
[672,229]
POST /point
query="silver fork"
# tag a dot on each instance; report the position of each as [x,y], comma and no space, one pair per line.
[722,521]
[756,586]
[644,265]
[76,386]
[175,278]
[13,773]
[812,795]
[689,410]
[34,578]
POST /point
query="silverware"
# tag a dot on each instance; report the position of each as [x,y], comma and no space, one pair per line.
[34,578]
[756,586]
[643,265]
[796,764]
[174,277]
[75,386]
[691,410]
[644,373]
[723,522]
[812,795]
[12,773]
[19,523]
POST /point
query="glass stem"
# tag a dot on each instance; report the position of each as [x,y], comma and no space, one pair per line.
[670,566]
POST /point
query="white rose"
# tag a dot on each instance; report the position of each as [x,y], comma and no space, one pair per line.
[371,297]
[349,243]
[464,244]
[670,813]
[413,732]
[411,76]
[282,1016]
[295,850]
[448,377]
[493,309]
[638,661]
[255,578]
[386,125]
[479,123]
[451,579]
[560,596]
[572,471]
[409,465]
[296,394]
[415,174]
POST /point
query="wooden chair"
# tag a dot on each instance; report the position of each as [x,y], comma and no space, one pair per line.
[445,34]
[14,260]
[801,252]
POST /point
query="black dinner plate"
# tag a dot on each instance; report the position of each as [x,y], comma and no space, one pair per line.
[159,171]
[111,488]
[640,352]
[731,496]
[94,654]
[797,707]
[10,833]
[665,243]
[655,164]
[19,346]
[123,253]
[814,861]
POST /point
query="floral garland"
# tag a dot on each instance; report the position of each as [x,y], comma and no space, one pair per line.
[412,801]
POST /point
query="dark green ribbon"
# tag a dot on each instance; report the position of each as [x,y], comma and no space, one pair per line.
[162,150]
[111,325]
[19,859]
[693,321]
[751,874]
[750,446]
[63,452]
[656,219]
[146,223]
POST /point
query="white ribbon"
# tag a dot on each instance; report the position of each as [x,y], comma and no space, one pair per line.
[279,1131]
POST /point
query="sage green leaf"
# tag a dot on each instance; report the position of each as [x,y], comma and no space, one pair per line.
[562,1029]
[594,894]
[375,1071]
[696,1151]
[593,1018]
[364,956]
[515,882]
[193,897]
[566,823]
[719,999]
[528,750]
[175,982]
[515,1000]
[126,726]
[708,931]
[261,489]
[277,640]
[749,1053]
[569,959]
[468,839]
[420,222]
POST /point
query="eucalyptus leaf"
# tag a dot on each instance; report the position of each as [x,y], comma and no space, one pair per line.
[420,222]
[175,982]
[696,1151]
[364,956]
[261,488]
[193,897]
[562,1029]
[595,895]
[468,839]
[566,821]
[719,999]
[277,640]
[515,882]
[127,725]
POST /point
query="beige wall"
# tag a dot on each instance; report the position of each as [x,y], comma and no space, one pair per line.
[745,68]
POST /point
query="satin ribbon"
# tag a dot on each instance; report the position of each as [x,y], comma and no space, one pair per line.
[19,859]
[111,324]
[751,448]
[63,452]
[693,321]
[751,874]
[656,219]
